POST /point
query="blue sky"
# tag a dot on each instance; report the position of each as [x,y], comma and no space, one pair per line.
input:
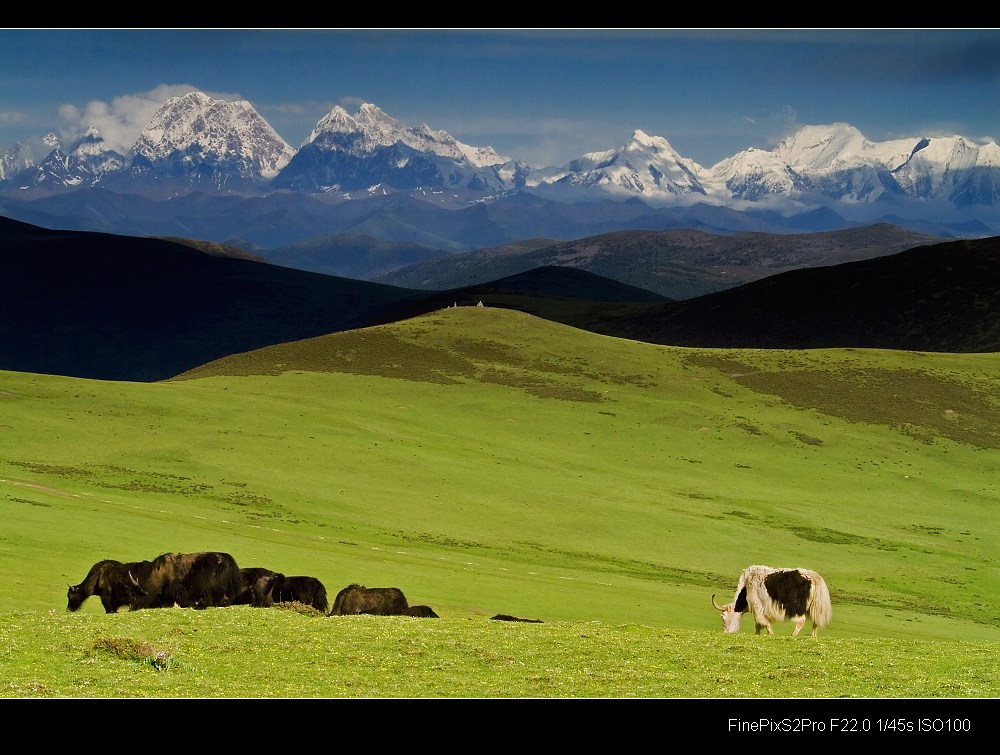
[544,95]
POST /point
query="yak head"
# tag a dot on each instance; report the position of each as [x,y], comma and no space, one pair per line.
[75,597]
[730,617]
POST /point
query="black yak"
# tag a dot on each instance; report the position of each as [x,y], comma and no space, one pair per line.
[185,580]
[355,599]
[113,582]
[306,590]
[425,612]
[256,586]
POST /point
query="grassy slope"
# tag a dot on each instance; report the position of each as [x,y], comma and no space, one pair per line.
[486,461]
[246,652]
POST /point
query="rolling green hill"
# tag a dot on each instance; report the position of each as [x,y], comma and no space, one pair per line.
[487,461]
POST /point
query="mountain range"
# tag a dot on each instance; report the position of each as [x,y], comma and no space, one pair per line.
[217,171]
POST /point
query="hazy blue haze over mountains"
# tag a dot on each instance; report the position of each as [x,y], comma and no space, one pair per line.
[216,170]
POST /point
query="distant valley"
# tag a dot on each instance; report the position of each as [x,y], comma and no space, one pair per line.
[678,264]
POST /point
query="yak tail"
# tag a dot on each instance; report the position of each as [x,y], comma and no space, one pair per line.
[320,600]
[820,607]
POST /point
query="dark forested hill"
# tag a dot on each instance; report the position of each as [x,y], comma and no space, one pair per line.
[116,307]
[943,297]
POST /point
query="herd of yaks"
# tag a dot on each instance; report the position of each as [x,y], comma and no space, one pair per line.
[214,579]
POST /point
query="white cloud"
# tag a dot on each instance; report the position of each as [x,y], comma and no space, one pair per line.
[12,117]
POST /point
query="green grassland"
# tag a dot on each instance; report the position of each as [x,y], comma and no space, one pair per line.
[486,461]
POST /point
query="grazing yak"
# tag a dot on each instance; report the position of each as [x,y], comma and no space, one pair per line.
[306,590]
[265,587]
[113,582]
[184,580]
[776,595]
[256,586]
[425,612]
[355,599]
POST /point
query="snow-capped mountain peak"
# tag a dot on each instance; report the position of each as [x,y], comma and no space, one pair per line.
[366,131]
[91,143]
[989,155]
[654,145]
[88,162]
[371,128]
[756,173]
[195,129]
[646,166]
[337,121]
[839,146]
[93,158]
[373,120]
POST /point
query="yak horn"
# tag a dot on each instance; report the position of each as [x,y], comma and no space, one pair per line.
[136,582]
[717,606]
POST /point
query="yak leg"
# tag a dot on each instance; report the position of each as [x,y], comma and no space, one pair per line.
[799,622]
[764,625]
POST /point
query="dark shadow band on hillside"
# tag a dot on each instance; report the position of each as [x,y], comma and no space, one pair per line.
[920,405]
